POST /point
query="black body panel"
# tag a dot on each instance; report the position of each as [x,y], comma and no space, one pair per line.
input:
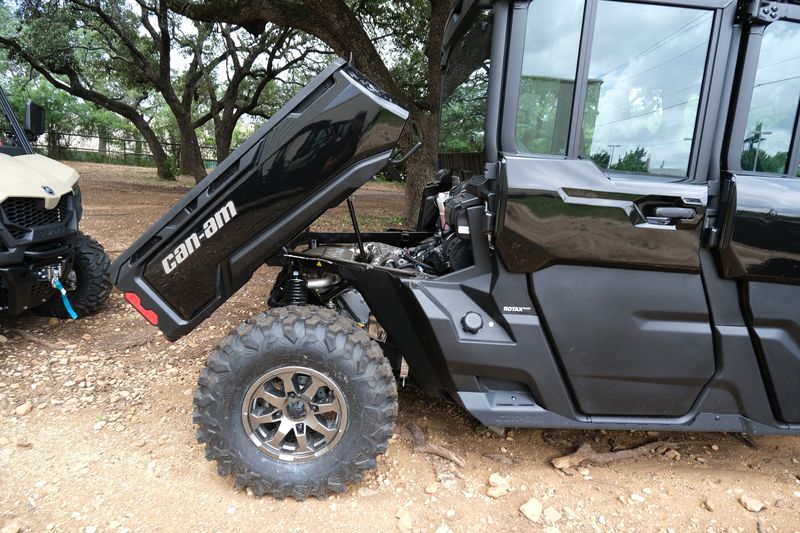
[326,142]
[661,362]
[619,287]
[763,242]
[760,249]
[775,311]
[511,349]
[508,373]
[561,211]
[407,325]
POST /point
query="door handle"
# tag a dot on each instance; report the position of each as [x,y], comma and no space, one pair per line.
[663,214]
[683,213]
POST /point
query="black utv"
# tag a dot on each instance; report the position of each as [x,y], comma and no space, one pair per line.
[613,241]
[46,263]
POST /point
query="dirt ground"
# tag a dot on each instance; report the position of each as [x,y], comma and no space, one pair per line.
[96,433]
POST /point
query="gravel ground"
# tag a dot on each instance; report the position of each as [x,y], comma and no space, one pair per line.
[96,433]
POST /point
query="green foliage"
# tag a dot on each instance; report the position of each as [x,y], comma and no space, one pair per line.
[636,160]
[64,112]
[465,88]
[773,163]
[410,72]
[111,48]
[543,117]
[399,29]
[757,160]
[463,115]
[602,158]
[70,40]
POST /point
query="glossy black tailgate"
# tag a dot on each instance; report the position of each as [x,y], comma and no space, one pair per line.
[330,139]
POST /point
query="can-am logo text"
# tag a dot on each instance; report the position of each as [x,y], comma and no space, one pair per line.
[190,245]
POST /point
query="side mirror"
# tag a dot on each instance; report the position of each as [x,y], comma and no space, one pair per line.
[34,120]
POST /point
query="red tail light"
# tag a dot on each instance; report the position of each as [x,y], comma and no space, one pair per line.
[136,302]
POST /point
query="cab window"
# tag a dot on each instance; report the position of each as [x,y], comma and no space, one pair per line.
[549,69]
[773,108]
[465,89]
[643,96]
[646,66]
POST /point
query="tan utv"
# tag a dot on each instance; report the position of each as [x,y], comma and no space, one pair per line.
[46,263]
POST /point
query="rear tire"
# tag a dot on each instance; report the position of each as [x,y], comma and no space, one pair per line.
[260,399]
[93,270]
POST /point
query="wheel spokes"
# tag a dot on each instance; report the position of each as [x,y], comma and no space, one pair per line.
[322,408]
[319,427]
[266,418]
[271,398]
[280,434]
[302,438]
[312,388]
[288,383]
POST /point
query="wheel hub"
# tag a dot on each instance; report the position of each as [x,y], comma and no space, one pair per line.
[294,414]
[296,410]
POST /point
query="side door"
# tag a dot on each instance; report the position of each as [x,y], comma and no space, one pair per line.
[760,238]
[604,193]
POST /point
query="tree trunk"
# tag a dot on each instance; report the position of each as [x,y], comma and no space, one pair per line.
[223,136]
[421,167]
[154,144]
[191,159]
[162,163]
[52,145]
[184,157]
[223,148]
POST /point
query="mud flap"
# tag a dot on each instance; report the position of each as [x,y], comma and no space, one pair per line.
[330,139]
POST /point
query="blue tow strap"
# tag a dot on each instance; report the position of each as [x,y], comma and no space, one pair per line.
[57,284]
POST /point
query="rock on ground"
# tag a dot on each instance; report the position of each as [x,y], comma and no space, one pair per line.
[751,504]
[552,515]
[11,527]
[24,409]
[404,522]
[532,510]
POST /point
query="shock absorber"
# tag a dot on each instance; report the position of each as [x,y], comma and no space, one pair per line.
[295,291]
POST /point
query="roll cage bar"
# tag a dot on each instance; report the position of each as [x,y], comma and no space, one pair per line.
[19,133]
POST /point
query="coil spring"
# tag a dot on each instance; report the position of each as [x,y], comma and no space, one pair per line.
[295,291]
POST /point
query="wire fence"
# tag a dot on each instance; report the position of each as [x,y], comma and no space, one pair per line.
[112,150]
